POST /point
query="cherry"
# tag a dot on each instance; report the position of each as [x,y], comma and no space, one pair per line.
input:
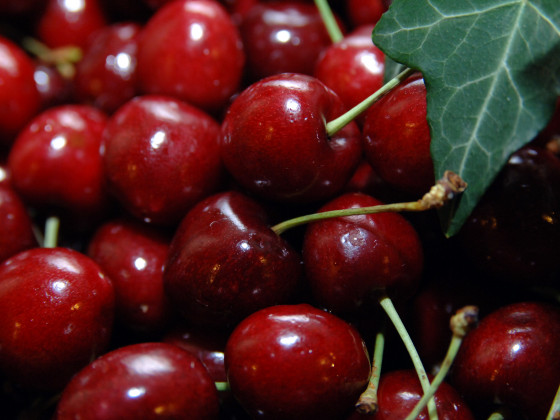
[510,359]
[282,37]
[226,263]
[15,224]
[64,23]
[106,75]
[275,143]
[348,260]
[514,232]
[397,137]
[146,380]
[133,256]
[19,98]
[54,88]
[56,161]
[365,12]
[352,67]
[161,156]
[400,390]
[296,362]
[191,49]
[57,314]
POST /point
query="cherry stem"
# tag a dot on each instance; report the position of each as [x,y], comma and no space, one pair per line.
[496,416]
[339,123]
[461,323]
[222,386]
[554,413]
[387,304]
[447,188]
[52,226]
[63,58]
[329,20]
[367,403]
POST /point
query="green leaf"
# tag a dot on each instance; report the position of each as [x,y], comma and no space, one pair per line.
[492,74]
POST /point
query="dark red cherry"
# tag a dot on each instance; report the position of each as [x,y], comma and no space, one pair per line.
[365,12]
[19,98]
[57,315]
[106,75]
[54,88]
[511,359]
[65,23]
[161,156]
[56,160]
[296,362]
[397,138]
[133,256]
[15,224]
[141,381]
[282,37]
[352,67]
[275,144]
[191,49]
[514,232]
[400,390]
[226,263]
[349,260]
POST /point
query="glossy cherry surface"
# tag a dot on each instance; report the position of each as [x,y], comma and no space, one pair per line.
[133,255]
[141,381]
[365,12]
[296,362]
[348,260]
[19,98]
[352,67]
[282,37]
[57,314]
[514,232]
[226,263]
[511,359]
[106,74]
[65,23]
[161,156]
[56,160]
[397,138]
[399,391]
[54,89]
[191,49]
[15,224]
[275,144]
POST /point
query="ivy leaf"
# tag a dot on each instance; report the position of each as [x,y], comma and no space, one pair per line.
[491,69]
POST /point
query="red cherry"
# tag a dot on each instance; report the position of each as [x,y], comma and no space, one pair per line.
[353,67]
[365,12]
[282,37]
[15,224]
[106,75]
[348,260]
[54,89]
[56,160]
[296,362]
[161,157]
[133,256]
[57,314]
[399,391]
[511,359]
[397,138]
[226,263]
[191,49]
[275,144]
[65,23]
[19,98]
[141,381]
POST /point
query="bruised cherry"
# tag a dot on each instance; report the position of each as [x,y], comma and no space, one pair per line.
[296,362]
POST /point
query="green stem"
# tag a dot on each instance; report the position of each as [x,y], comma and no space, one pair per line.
[554,413]
[389,308]
[329,20]
[496,416]
[367,403]
[52,226]
[222,386]
[339,123]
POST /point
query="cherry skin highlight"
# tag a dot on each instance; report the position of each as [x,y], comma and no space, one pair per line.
[296,362]
[274,140]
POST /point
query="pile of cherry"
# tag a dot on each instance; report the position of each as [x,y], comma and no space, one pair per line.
[148,152]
